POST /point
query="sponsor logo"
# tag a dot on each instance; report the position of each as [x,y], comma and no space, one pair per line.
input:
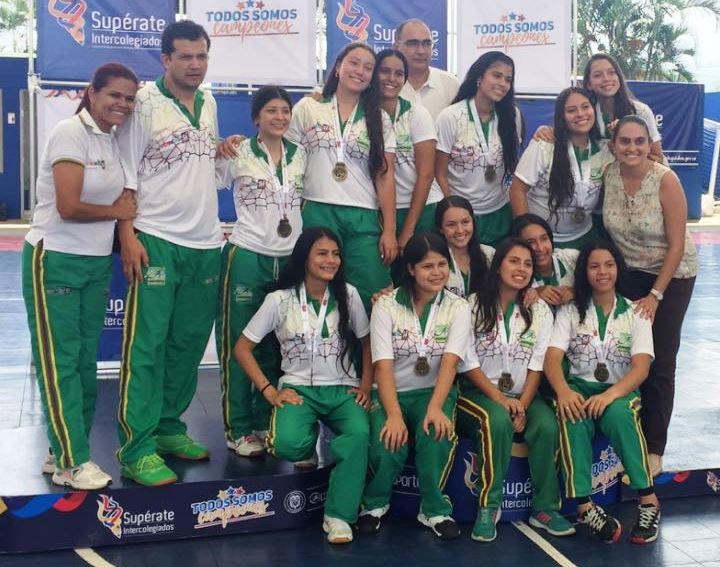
[69,15]
[294,501]
[352,20]
[517,493]
[252,18]
[408,482]
[712,481]
[232,505]
[317,498]
[514,30]
[242,294]
[115,313]
[124,523]
[154,275]
[606,471]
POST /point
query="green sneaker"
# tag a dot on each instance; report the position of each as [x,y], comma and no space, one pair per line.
[149,470]
[182,447]
[484,528]
[552,522]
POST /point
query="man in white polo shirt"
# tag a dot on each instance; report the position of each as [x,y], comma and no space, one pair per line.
[434,88]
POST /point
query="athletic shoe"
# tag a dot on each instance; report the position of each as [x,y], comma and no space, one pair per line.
[262,435]
[337,530]
[182,447]
[149,470]
[552,522]
[656,464]
[87,476]
[48,466]
[647,526]
[310,463]
[484,528]
[369,520]
[247,446]
[605,527]
[442,526]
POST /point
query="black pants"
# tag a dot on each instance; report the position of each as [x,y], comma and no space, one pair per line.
[658,390]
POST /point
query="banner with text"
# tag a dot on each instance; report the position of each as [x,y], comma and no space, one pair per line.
[77,36]
[374,22]
[259,41]
[534,33]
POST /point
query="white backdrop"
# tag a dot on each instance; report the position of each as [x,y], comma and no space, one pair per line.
[270,41]
[536,34]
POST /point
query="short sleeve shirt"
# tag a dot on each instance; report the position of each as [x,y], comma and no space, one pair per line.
[564,261]
[436,94]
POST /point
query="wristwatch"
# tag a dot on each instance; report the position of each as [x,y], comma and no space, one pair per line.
[657,294]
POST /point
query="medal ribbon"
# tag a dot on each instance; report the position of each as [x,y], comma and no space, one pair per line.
[581,174]
[492,133]
[310,335]
[283,188]
[341,136]
[601,345]
[456,270]
[424,338]
[599,120]
[505,340]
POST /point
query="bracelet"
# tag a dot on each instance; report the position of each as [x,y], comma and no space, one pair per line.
[657,294]
[265,387]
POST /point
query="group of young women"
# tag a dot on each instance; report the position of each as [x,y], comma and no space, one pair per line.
[350,191]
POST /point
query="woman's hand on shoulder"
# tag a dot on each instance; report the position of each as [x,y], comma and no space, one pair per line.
[544,133]
[378,294]
[227,148]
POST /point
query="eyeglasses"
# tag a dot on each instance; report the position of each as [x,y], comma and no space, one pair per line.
[415,43]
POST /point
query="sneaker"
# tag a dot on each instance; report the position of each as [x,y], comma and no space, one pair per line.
[262,435]
[149,470]
[656,464]
[647,526]
[552,522]
[310,463]
[607,528]
[484,528]
[247,446]
[442,526]
[369,520]
[337,530]
[182,447]
[48,466]
[87,476]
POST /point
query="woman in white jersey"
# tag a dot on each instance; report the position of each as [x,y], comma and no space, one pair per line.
[499,391]
[318,319]
[560,181]
[417,342]
[67,267]
[349,176]
[266,178]
[478,140]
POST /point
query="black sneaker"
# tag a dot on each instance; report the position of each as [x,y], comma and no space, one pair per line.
[605,527]
[442,526]
[369,520]
[647,526]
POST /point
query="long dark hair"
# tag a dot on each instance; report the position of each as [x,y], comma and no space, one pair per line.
[582,287]
[293,275]
[370,102]
[623,99]
[415,250]
[562,183]
[102,77]
[485,310]
[265,95]
[478,259]
[523,221]
[505,109]
[390,52]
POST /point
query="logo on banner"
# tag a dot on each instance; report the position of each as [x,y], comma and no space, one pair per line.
[253,18]
[606,471]
[515,30]
[352,20]
[115,313]
[294,502]
[69,15]
[121,523]
[232,505]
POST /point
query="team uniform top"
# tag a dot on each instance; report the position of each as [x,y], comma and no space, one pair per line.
[78,140]
[313,127]
[259,202]
[623,332]
[169,159]
[459,281]
[436,94]
[458,137]
[533,169]
[394,335]
[281,312]
[413,124]
[641,109]
[526,348]
[564,260]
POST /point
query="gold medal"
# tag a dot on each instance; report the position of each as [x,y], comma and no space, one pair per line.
[579,216]
[422,367]
[340,172]
[602,374]
[284,229]
[505,382]
[490,174]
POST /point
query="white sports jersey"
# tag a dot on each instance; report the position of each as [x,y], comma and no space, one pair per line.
[564,260]
[436,94]
[78,140]
[169,159]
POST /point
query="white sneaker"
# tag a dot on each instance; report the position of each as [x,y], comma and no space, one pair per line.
[247,446]
[262,436]
[87,476]
[656,464]
[310,463]
[337,530]
[442,526]
[48,466]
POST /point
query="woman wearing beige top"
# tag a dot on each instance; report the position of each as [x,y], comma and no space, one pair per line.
[645,212]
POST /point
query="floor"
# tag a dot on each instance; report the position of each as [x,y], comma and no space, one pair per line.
[691,527]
